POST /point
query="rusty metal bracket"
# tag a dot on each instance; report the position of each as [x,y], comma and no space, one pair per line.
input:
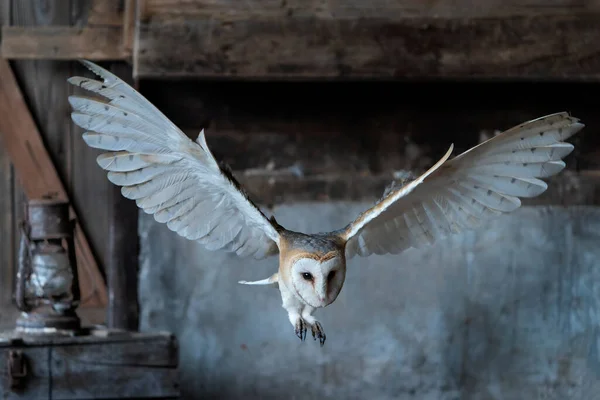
[17,368]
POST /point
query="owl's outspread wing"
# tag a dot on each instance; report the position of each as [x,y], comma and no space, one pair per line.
[166,173]
[458,194]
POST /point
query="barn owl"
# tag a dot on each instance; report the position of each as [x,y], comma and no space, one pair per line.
[180,183]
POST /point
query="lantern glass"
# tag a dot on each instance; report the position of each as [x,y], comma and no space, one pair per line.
[51,275]
[47,285]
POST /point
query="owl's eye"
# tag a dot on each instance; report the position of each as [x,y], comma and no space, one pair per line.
[307,275]
[331,275]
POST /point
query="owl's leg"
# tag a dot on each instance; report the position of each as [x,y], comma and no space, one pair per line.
[315,326]
[298,323]
[294,310]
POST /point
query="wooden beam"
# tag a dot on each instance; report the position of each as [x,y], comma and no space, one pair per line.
[396,9]
[331,39]
[62,43]
[7,239]
[38,176]
[129,27]
[102,38]
[123,248]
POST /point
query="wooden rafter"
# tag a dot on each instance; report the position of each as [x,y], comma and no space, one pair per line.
[293,39]
[368,39]
[106,36]
[39,177]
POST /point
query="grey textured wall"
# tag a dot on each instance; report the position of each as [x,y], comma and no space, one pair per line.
[508,312]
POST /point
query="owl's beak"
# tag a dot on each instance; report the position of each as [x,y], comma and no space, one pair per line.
[322,294]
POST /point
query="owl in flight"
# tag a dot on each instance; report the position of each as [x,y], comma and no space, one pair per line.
[180,183]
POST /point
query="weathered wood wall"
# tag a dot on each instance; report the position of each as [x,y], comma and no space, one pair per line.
[332,39]
[104,214]
[357,39]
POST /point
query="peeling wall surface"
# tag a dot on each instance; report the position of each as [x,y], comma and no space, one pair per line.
[509,311]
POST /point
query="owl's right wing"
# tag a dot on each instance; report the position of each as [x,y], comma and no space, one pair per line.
[166,173]
[452,196]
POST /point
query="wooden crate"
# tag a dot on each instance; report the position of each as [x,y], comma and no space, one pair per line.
[100,365]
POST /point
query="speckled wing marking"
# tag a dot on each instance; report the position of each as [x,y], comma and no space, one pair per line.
[481,183]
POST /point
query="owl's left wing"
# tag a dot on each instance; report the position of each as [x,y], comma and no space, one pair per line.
[175,179]
[452,196]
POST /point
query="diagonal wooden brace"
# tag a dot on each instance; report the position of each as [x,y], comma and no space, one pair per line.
[39,178]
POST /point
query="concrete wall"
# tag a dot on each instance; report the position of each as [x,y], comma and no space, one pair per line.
[508,312]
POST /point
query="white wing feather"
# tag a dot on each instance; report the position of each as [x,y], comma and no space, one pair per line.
[484,182]
[166,173]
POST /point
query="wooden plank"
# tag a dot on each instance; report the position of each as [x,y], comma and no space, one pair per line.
[358,8]
[110,366]
[129,26]
[6,231]
[97,336]
[122,253]
[99,39]
[148,351]
[18,197]
[322,40]
[62,43]
[7,271]
[37,173]
[7,244]
[127,366]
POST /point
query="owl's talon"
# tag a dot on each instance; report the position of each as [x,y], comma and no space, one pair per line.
[318,332]
[301,329]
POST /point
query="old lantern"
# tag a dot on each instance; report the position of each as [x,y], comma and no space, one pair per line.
[47,287]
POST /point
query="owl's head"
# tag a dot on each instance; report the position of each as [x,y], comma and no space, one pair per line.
[318,280]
